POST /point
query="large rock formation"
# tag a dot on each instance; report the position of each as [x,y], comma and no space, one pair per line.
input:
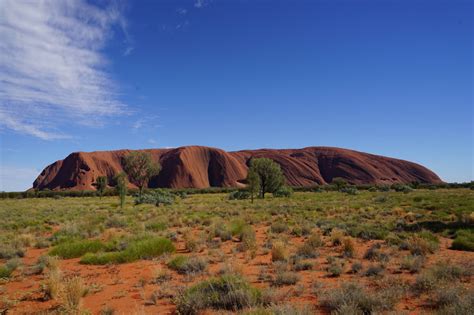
[202,167]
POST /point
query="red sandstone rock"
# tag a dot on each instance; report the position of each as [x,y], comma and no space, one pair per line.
[202,167]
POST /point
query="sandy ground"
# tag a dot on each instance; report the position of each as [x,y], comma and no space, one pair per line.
[127,288]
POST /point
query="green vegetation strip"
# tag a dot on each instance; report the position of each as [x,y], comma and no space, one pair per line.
[144,249]
[76,249]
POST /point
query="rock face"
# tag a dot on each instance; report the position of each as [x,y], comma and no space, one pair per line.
[202,167]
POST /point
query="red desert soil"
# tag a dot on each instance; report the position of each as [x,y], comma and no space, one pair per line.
[203,167]
[127,288]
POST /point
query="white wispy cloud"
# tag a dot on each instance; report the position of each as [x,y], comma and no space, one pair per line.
[201,3]
[147,123]
[52,69]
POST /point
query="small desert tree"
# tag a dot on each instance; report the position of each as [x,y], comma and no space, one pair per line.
[253,183]
[269,175]
[140,167]
[101,184]
[121,187]
[339,182]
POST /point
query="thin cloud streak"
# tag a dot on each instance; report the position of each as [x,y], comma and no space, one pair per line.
[52,70]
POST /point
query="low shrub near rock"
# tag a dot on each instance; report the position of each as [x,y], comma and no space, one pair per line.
[284,191]
[239,195]
[156,197]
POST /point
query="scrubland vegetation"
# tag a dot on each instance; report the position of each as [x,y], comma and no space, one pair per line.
[340,251]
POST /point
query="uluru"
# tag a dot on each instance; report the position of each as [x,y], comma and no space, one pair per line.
[203,167]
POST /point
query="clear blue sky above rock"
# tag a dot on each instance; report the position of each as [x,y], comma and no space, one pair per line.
[386,77]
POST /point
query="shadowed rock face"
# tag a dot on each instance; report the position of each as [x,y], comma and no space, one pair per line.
[202,167]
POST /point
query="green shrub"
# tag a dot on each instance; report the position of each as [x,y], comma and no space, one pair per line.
[236,227]
[413,264]
[67,250]
[453,300]
[187,265]
[350,190]
[402,188]
[314,240]
[248,238]
[303,265]
[222,231]
[337,236]
[464,240]
[348,247]
[422,243]
[239,195]
[103,258]
[228,292]
[440,273]
[157,197]
[285,278]
[284,191]
[5,272]
[375,254]
[143,249]
[307,251]
[279,227]
[356,267]
[7,269]
[359,299]
[374,270]
[156,226]
[335,268]
[279,251]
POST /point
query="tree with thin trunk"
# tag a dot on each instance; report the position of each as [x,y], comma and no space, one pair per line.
[140,168]
[253,183]
[121,187]
[269,174]
[101,184]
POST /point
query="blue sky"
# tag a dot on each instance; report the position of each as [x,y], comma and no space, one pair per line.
[386,77]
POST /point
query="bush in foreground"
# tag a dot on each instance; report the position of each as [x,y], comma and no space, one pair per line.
[239,195]
[187,265]
[464,240]
[228,292]
[284,191]
[144,249]
[354,297]
[157,197]
[76,249]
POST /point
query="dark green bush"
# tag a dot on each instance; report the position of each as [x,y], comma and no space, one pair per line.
[350,190]
[142,249]
[156,197]
[284,191]
[228,292]
[239,195]
[187,265]
[464,240]
[67,250]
